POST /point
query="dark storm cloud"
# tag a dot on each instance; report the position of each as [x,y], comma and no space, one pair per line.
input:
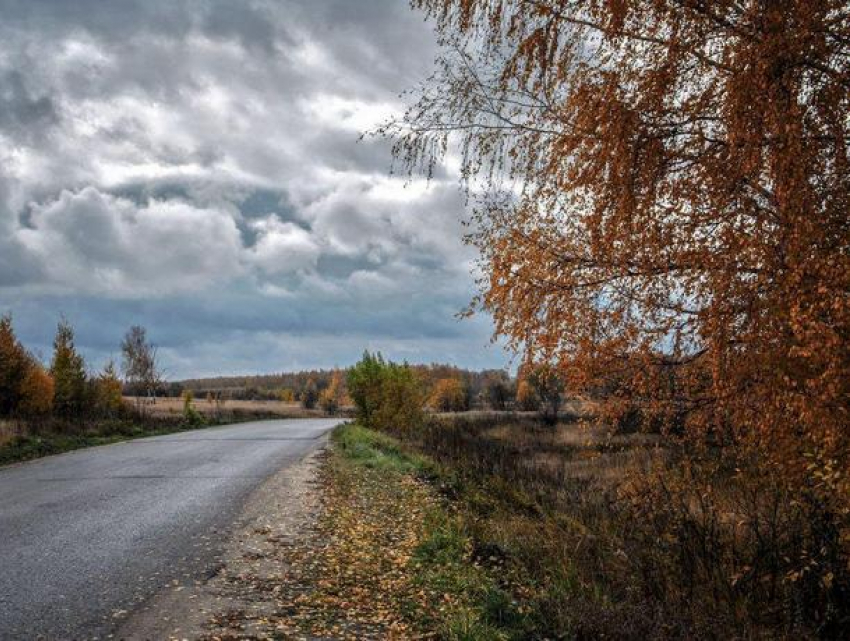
[195,166]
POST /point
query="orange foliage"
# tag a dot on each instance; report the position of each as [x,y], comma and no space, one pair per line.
[677,229]
[331,396]
[449,395]
[36,392]
[526,398]
[25,388]
[662,211]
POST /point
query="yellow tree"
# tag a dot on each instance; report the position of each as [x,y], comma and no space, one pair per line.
[329,399]
[108,390]
[526,397]
[662,196]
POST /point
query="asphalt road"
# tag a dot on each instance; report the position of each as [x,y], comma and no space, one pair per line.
[87,536]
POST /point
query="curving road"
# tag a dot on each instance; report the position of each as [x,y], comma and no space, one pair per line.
[87,536]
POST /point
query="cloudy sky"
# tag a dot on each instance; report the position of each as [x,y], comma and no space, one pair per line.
[194,167]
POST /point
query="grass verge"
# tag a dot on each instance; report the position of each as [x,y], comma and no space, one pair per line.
[442,587]
[60,438]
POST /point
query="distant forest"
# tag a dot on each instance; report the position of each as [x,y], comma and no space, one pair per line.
[476,385]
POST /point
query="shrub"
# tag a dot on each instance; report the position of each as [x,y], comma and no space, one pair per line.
[548,387]
[386,395]
[107,399]
[401,399]
[498,391]
[190,415]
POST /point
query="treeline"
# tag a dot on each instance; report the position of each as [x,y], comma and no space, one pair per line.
[444,388]
[392,396]
[65,388]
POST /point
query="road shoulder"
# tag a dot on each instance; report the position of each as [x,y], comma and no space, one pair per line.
[279,511]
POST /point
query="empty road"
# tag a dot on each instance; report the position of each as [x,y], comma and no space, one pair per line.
[86,536]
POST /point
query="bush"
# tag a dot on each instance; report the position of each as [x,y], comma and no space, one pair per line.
[191,416]
[526,397]
[548,387]
[107,398]
[498,391]
[386,395]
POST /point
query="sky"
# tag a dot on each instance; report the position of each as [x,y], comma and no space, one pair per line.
[197,168]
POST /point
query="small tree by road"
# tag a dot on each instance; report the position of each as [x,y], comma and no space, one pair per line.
[69,373]
[140,362]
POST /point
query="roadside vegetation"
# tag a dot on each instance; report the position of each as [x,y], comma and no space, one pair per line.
[62,406]
[581,529]
[678,255]
[387,558]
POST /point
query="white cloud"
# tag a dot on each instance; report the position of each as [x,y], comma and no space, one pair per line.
[96,243]
[282,247]
[164,151]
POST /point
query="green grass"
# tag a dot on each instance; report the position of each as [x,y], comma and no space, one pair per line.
[471,606]
[371,449]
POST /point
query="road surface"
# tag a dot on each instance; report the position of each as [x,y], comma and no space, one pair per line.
[87,536]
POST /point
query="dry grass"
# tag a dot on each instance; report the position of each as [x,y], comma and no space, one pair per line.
[629,536]
[174,407]
[10,430]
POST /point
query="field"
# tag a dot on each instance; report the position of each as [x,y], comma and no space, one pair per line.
[166,406]
[599,534]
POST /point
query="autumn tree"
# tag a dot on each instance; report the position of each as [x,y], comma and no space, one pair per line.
[401,399]
[107,391]
[310,394]
[663,191]
[386,395]
[662,196]
[36,392]
[526,397]
[69,373]
[449,395]
[140,362]
[329,399]
[14,364]
[498,390]
[548,387]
